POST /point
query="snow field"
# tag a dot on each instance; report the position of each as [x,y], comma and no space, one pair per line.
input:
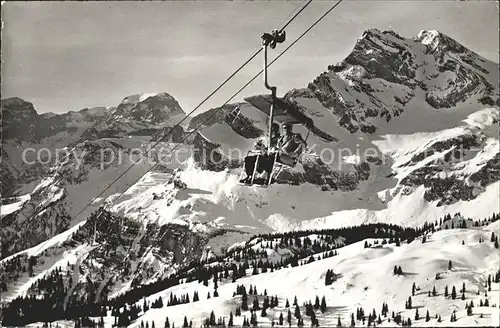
[366,281]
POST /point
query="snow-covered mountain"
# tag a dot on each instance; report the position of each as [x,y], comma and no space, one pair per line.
[142,114]
[410,137]
[26,134]
[23,128]
[392,153]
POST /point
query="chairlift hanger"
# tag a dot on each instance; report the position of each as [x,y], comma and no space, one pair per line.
[277,109]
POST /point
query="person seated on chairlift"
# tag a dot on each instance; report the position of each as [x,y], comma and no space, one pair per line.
[275,134]
[264,165]
[290,146]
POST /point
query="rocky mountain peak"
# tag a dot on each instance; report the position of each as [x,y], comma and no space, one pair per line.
[440,42]
[96,111]
[18,106]
[149,108]
[385,71]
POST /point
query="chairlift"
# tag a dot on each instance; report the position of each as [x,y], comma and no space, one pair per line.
[279,111]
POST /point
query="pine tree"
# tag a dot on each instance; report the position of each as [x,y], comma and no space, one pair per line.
[244,302]
[453,293]
[408,303]
[297,312]
[212,318]
[417,316]
[167,323]
[427,316]
[446,291]
[353,323]
[230,322]
[185,324]
[309,309]
[289,317]
[339,323]
[256,305]
[434,293]
[323,304]
[316,303]
[314,320]
[280,322]
[265,305]
[450,265]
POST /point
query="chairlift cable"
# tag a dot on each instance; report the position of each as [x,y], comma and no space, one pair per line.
[178,124]
[294,16]
[234,95]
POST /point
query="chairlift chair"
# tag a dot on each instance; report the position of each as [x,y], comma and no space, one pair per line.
[278,110]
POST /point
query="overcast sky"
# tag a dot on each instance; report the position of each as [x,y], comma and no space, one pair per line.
[71,55]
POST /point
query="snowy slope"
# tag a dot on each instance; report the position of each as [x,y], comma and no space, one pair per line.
[366,281]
